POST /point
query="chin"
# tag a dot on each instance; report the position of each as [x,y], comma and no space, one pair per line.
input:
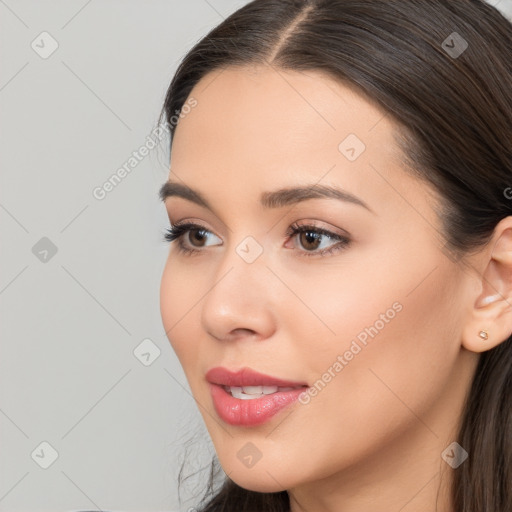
[258,482]
[261,477]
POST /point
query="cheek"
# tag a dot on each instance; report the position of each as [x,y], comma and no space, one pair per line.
[178,298]
[393,351]
[366,304]
[376,332]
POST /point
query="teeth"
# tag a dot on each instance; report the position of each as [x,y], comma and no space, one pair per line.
[258,390]
[251,392]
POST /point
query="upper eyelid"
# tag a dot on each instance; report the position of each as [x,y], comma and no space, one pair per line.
[290,231]
[327,231]
[189,226]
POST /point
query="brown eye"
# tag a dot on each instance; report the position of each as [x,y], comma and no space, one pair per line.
[190,237]
[310,240]
[197,237]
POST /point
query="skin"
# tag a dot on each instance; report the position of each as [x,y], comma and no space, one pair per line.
[374,435]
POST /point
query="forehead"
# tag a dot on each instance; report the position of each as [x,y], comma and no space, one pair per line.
[265,100]
[258,128]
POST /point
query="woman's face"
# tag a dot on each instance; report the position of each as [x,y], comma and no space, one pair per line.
[369,316]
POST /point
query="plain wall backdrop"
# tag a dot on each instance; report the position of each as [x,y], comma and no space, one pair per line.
[95,410]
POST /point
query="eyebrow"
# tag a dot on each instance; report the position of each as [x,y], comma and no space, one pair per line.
[274,199]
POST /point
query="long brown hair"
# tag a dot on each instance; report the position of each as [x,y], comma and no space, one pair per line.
[443,70]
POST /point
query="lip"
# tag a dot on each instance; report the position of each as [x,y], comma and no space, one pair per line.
[255,411]
[247,377]
[247,413]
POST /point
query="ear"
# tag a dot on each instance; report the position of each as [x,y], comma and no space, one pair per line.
[492,310]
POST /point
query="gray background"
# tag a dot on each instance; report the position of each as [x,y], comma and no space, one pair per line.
[72,321]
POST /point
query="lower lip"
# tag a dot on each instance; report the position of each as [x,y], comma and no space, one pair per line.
[255,411]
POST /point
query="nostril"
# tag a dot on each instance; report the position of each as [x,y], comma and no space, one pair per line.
[242,330]
[239,332]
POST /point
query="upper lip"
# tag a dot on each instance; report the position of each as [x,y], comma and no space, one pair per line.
[246,377]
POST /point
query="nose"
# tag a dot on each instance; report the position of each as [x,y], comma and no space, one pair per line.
[240,302]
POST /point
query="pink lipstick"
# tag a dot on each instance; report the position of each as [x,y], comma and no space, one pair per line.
[246,397]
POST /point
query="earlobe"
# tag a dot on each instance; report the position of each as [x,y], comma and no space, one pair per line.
[490,321]
[484,335]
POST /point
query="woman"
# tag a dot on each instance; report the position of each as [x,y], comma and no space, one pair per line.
[339,281]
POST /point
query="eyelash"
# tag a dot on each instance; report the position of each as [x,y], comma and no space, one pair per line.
[176,232]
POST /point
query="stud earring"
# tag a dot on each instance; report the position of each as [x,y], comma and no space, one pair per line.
[483,335]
